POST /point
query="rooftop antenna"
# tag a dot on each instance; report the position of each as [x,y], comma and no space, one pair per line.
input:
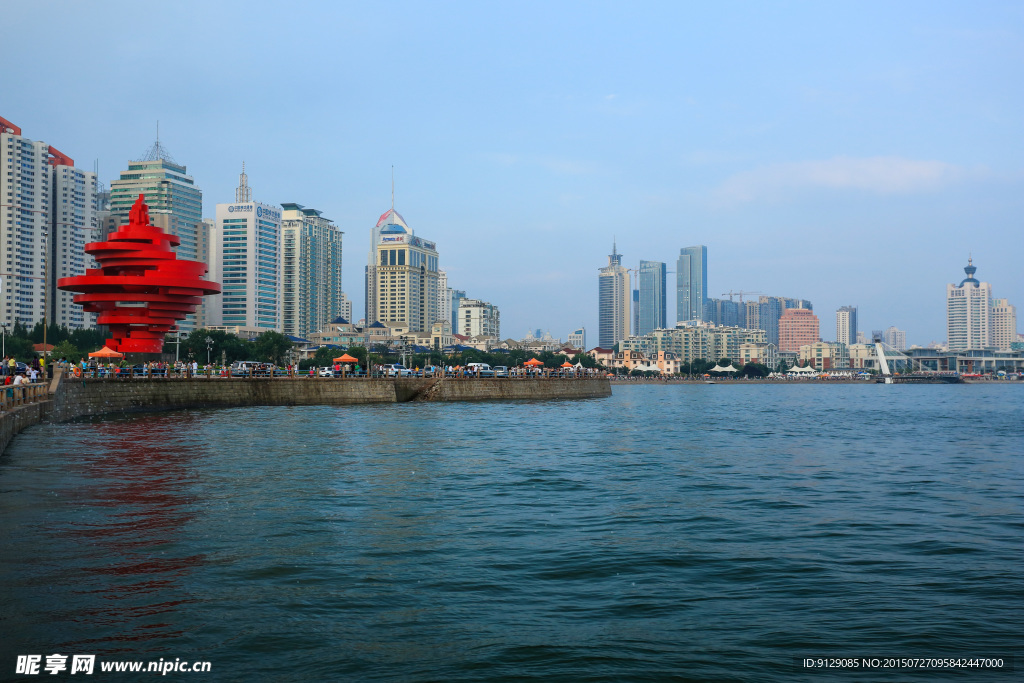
[243,193]
[392,187]
[157,151]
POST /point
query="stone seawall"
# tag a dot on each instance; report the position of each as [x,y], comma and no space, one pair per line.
[15,420]
[79,398]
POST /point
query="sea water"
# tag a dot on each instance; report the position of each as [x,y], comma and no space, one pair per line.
[706,532]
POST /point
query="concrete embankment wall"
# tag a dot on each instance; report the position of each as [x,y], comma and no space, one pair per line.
[15,420]
[79,398]
[70,399]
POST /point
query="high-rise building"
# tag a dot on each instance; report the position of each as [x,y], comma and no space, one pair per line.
[770,309]
[635,309]
[455,296]
[723,312]
[444,297]
[578,338]
[246,259]
[613,295]
[47,214]
[74,223]
[405,275]
[346,307]
[312,293]
[893,337]
[1004,324]
[175,203]
[691,283]
[388,218]
[846,325]
[697,342]
[206,228]
[968,312]
[797,327]
[478,318]
[170,193]
[651,305]
[751,312]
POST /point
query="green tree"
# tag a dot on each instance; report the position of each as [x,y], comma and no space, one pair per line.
[225,345]
[20,348]
[92,339]
[65,349]
[699,366]
[584,360]
[324,357]
[272,347]
[755,370]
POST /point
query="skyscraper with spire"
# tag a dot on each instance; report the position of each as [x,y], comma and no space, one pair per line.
[968,312]
[402,281]
[175,203]
[613,297]
[246,258]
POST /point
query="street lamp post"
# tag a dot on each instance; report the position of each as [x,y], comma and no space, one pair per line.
[209,347]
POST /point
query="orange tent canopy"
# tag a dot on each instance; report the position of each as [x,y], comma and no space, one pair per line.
[346,359]
[567,364]
[106,353]
[534,361]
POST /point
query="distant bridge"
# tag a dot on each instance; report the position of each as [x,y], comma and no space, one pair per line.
[922,378]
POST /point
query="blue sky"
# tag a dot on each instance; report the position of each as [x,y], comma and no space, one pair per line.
[846,153]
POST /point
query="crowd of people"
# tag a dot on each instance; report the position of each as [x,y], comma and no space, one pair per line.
[15,373]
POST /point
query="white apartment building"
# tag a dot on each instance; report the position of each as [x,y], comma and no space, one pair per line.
[74,223]
[444,297]
[825,356]
[312,293]
[894,338]
[765,354]
[578,338]
[346,307]
[42,194]
[1004,324]
[478,318]
[846,325]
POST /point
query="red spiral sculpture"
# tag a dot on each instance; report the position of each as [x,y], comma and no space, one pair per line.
[141,289]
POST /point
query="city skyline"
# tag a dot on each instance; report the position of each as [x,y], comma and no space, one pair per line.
[907,155]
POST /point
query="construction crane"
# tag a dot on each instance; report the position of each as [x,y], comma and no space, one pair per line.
[730,294]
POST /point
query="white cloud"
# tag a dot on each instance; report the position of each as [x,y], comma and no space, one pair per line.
[881,175]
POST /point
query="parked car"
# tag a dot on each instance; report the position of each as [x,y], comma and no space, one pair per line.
[479,369]
[396,370]
[500,371]
[326,372]
[242,367]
